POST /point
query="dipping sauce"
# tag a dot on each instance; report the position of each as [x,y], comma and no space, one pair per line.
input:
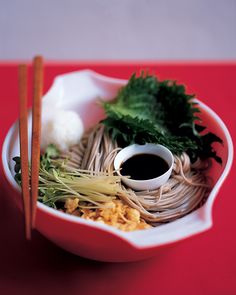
[144,166]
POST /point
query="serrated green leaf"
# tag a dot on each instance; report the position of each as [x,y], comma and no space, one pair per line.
[149,110]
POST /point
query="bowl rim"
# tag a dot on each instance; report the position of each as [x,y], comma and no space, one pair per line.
[133,238]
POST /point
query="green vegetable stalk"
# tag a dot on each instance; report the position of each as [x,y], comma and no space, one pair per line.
[57,182]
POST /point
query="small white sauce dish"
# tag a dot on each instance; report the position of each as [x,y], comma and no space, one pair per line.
[148,148]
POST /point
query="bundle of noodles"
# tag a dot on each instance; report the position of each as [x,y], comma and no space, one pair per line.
[95,152]
[186,189]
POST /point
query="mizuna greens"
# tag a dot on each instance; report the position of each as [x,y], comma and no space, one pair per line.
[149,110]
[57,182]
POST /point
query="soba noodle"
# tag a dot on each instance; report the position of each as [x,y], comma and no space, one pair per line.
[186,189]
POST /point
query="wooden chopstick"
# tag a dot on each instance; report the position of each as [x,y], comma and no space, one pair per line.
[30,196]
[23,128]
[36,131]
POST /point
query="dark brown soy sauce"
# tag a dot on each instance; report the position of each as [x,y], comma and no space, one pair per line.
[144,166]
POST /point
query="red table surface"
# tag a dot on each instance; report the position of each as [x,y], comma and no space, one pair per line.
[204,264]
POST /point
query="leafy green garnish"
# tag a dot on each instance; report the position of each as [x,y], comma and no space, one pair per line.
[45,163]
[50,153]
[17,169]
[57,182]
[149,110]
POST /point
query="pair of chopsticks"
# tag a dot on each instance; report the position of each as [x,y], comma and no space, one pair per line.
[30,187]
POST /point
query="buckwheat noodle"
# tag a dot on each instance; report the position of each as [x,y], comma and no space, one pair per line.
[186,190]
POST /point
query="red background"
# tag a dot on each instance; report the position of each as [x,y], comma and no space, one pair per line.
[204,264]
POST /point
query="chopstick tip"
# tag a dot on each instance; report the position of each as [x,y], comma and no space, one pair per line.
[38,58]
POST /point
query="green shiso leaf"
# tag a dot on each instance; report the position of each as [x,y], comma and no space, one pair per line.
[149,110]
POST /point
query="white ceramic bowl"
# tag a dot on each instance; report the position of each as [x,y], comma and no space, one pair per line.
[148,148]
[79,91]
